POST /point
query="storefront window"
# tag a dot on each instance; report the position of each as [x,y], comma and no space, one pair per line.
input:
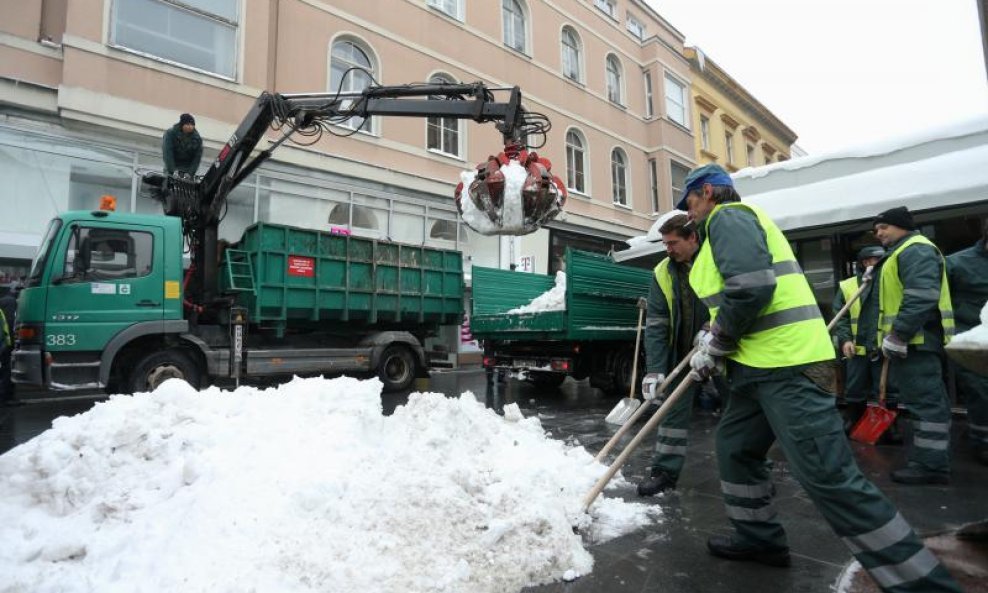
[408,223]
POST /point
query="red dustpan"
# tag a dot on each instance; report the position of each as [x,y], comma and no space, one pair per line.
[877,418]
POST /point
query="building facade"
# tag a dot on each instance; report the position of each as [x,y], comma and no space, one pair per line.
[87,87]
[733,129]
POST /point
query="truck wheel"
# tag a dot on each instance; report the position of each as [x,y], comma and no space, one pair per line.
[157,367]
[396,369]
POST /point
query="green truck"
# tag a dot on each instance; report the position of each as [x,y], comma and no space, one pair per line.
[593,337]
[105,306]
[111,303]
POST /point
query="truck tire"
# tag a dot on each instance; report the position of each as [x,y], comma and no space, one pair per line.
[155,368]
[396,369]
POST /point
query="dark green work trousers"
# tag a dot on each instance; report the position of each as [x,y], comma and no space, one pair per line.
[921,389]
[863,377]
[975,390]
[765,405]
[673,435]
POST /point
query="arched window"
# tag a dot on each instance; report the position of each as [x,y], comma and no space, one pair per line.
[513,15]
[351,69]
[614,80]
[443,133]
[572,54]
[576,161]
[619,176]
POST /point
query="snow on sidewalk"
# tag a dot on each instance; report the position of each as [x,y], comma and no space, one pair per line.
[304,487]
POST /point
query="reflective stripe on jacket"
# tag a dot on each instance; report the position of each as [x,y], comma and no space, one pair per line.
[892,293]
[848,288]
[790,330]
[664,277]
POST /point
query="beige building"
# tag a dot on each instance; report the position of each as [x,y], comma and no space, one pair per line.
[88,86]
[733,128]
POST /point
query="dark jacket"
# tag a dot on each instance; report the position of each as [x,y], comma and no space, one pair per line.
[967,273]
[689,316]
[867,320]
[181,151]
[921,272]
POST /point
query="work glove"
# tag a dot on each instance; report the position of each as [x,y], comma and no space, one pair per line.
[712,347]
[893,346]
[650,385]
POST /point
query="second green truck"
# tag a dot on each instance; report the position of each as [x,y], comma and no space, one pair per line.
[593,336]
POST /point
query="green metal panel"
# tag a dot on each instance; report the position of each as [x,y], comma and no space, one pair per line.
[303,276]
[601,301]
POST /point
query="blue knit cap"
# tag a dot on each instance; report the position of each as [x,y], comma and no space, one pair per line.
[712,173]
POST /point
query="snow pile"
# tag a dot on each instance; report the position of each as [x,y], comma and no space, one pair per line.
[305,487]
[553,299]
[512,206]
[975,338]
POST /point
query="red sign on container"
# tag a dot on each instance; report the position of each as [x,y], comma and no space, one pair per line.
[301,266]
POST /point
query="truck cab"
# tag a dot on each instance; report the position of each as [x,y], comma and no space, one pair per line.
[100,280]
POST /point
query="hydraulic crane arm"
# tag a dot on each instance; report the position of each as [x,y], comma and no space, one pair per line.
[200,202]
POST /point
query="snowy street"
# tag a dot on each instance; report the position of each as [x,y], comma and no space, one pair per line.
[667,555]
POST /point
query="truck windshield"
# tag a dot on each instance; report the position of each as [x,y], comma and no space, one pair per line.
[38,265]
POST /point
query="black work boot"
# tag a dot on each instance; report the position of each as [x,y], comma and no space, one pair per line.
[853,413]
[916,476]
[659,482]
[724,546]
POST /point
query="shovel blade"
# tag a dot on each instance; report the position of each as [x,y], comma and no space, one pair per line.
[622,411]
[873,423]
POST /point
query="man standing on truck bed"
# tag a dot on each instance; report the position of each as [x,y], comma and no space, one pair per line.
[181,147]
[766,332]
[675,316]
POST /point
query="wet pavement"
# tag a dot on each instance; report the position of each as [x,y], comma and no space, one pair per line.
[671,556]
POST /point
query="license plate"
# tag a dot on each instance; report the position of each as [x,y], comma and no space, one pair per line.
[524,363]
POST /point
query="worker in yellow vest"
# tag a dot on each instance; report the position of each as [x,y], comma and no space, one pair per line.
[766,333]
[915,321]
[856,333]
[675,316]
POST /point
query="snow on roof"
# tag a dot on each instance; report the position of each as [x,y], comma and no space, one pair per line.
[949,179]
[879,147]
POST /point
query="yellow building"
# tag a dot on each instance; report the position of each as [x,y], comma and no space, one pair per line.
[730,126]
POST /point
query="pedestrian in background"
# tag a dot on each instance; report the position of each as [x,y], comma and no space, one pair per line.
[674,318]
[856,333]
[8,316]
[967,273]
[766,332]
[915,322]
[181,147]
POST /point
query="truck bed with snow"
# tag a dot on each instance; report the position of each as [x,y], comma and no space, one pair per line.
[530,323]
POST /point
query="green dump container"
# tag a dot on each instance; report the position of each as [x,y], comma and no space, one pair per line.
[300,276]
[601,301]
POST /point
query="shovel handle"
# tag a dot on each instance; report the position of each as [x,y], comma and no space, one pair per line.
[865,280]
[883,383]
[641,409]
[634,361]
[657,417]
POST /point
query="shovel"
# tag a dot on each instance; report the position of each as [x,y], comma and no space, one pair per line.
[650,426]
[627,406]
[877,418]
[641,409]
[865,280]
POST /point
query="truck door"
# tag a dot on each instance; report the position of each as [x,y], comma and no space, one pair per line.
[105,278]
